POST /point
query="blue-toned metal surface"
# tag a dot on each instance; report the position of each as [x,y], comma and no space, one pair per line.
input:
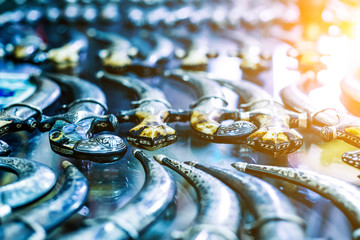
[14,87]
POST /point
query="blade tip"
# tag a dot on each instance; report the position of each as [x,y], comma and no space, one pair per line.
[241,166]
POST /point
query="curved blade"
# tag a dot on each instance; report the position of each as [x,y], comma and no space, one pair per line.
[34,180]
[151,115]
[209,110]
[73,134]
[24,115]
[140,212]
[267,204]
[219,209]
[47,215]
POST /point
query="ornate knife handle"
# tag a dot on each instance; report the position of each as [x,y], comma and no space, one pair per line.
[349,133]
[9,123]
[205,121]
[151,131]
[99,123]
[14,124]
[71,135]
[275,135]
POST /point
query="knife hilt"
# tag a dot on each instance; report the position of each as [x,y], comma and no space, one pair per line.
[80,139]
[206,123]
[12,123]
[275,134]
[99,123]
[151,131]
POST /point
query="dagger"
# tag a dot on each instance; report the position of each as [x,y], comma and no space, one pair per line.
[209,110]
[275,217]
[27,46]
[23,43]
[152,112]
[34,180]
[117,55]
[328,123]
[76,133]
[24,115]
[68,55]
[219,210]
[344,195]
[44,217]
[275,135]
[140,212]
[161,51]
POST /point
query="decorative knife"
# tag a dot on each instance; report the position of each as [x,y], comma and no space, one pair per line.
[161,52]
[28,46]
[209,110]
[219,210]
[44,217]
[68,55]
[118,54]
[151,114]
[344,195]
[25,114]
[23,42]
[254,60]
[330,124]
[140,212]
[275,135]
[275,217]
[34,180]
[74,133]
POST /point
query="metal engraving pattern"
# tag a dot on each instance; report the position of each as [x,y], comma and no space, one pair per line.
[344,195]
[72,134]
[264,201]
[34,180]
[275,134]
[53,212]
[24,115]
[206,115]
[219,210]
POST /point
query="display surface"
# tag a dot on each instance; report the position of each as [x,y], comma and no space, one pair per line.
[200,86]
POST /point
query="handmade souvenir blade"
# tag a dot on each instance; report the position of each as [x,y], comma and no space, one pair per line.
[34,180]
[76,133]
[44,217]
[68,55]
[29,46]
[151,114]
[156,58]
[275,135]
[344,195]
[275,217]
[195,53]
[25,114]
[118,54]
[330,123]
[219,210]
[254,60]
[140,212]
[22,42]
[209,110]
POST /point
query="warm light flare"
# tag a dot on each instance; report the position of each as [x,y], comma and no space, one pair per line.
[335,52]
